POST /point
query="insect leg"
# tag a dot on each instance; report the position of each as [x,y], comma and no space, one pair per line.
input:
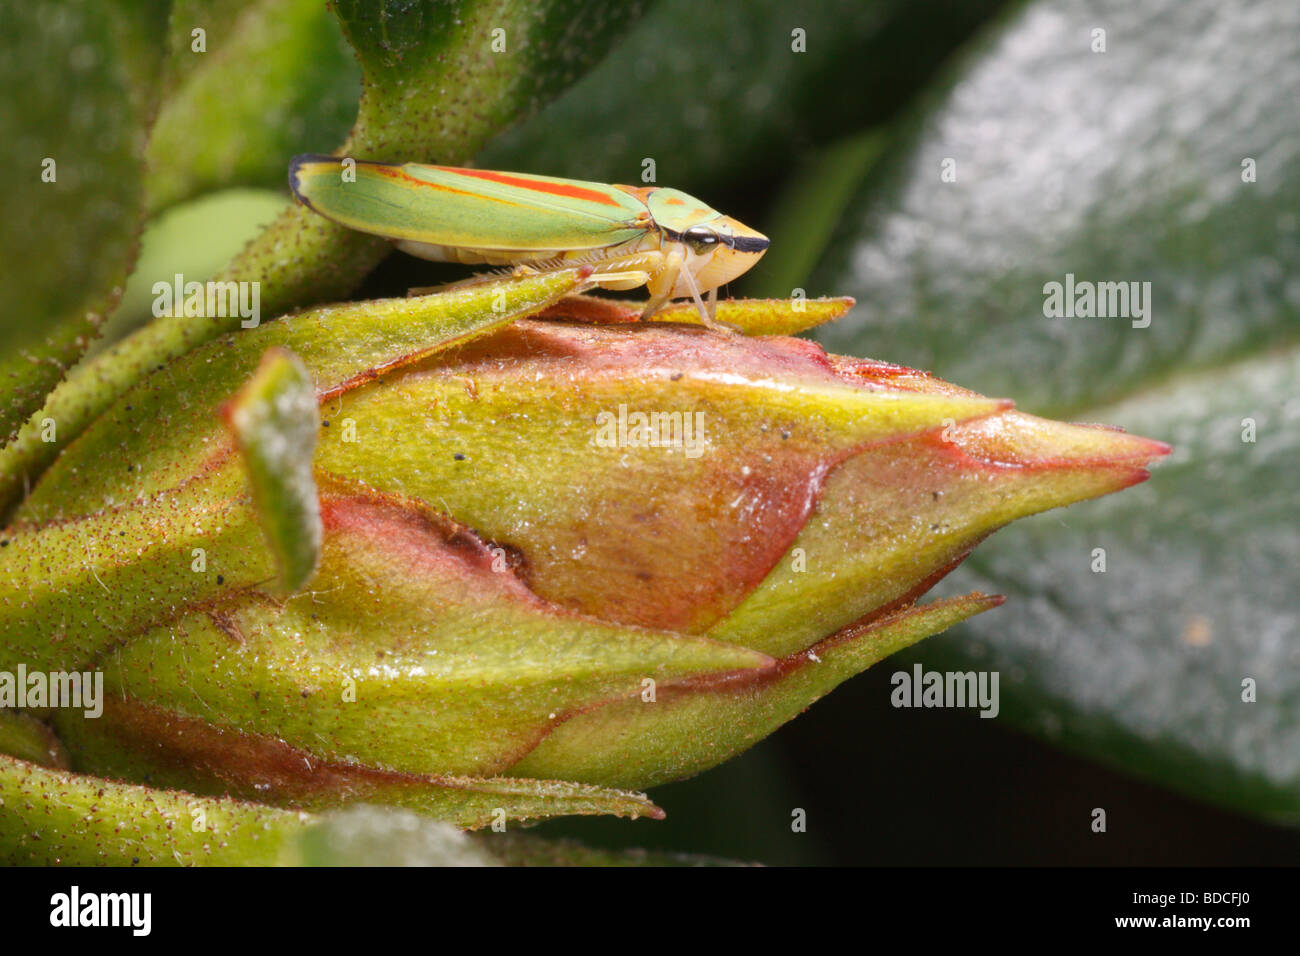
[707,315]
[628,279]
[662,284]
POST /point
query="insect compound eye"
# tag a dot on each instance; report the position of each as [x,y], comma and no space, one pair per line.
[700,238]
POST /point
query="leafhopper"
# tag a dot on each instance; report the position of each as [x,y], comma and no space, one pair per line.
[631,236]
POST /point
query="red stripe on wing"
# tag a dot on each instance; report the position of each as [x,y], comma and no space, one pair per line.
[395,172]
[555,189]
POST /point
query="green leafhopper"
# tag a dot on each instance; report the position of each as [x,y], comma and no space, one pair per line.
[632,236]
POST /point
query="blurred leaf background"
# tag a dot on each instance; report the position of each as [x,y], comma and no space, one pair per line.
[828,125]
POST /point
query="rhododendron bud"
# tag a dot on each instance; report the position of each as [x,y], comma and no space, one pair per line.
[558,561]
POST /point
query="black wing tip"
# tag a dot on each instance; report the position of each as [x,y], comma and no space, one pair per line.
[750,243]
[304,158]
[301,160]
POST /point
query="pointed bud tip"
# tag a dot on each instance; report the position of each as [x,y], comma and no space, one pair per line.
[1017,439]
[1138,447]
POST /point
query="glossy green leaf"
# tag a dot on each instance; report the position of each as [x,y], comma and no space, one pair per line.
[1179,660]
[1125,166]
[1170,158]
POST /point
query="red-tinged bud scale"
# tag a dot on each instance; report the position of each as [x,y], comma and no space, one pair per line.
[548,562]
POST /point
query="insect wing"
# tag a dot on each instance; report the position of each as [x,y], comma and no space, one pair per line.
[468,208]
